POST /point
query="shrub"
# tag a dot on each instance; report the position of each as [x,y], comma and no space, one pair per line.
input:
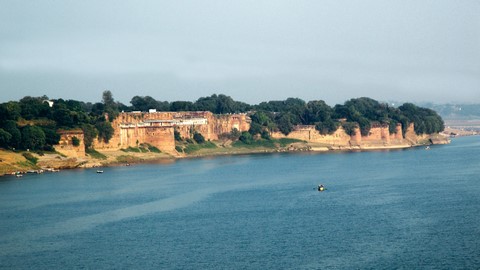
[246,137]
[177,136]
[349,128]
[30,158]
[75,141]
[153,149]
[95,154]
[198,138]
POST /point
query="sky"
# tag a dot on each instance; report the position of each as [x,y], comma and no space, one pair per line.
[253,51]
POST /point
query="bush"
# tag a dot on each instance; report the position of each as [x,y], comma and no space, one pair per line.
[153,149]
[349,128]
[75,141]
[30,158]
[198,138]
[179,149]
[246,137]
[95,154]
[177,136]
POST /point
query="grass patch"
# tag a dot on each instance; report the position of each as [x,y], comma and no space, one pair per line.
[25,164]
[193,147]
[132,149]
[143,148]
[153,149]
[286,141]
[95,154]
[30,158]
[263,143]
[256,144]
[128,159]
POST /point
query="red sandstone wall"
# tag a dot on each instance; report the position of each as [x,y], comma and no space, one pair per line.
[378,135]
[410,133]
[310,134]
[65,145]
[128,129]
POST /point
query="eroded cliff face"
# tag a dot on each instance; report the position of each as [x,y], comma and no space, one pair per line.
[157,128]
[66,146]
[378,137]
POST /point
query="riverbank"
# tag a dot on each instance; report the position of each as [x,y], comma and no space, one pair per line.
[21,162]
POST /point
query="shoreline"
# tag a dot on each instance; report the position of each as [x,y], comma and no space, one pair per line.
[116,158]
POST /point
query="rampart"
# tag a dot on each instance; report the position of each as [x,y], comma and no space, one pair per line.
[157,128]
[379,135]
[66,145]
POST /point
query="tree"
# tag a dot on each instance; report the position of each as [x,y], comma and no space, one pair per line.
[349,128]
[246,137]
[11,127]
[51,136]
[316,111]
[285,124]
[34,107]
[10,111]
[328,126]
[4,138]
[33,138]
[107,99]
[105,131]
[110,106]
[143,103]
[206,104]
[62,115]
[255,128]
[89,134]
[178,106]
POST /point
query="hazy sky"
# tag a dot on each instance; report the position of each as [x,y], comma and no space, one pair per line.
[254,51]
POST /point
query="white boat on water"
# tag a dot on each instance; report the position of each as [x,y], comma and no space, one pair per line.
[99,171]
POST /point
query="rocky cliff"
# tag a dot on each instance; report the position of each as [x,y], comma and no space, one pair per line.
[378,137]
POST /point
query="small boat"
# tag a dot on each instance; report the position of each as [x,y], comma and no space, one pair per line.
[321,188]
[99,171]
[427,147]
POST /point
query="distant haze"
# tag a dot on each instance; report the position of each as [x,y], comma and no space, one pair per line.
[251,50]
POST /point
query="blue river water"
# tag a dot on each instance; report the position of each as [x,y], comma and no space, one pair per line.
[403,209]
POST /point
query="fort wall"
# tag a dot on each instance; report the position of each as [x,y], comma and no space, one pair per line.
[65,145]
[157,128]
[379,135]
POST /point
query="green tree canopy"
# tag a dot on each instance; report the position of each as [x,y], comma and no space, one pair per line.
[33,138]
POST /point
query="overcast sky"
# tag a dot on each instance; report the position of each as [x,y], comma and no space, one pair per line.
[254,51]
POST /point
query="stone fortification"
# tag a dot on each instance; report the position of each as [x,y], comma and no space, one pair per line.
[65,145]
[310,134]
[379,136]
[157,128]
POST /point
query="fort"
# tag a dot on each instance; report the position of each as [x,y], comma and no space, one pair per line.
[67,146]
[379,137]
[157,129]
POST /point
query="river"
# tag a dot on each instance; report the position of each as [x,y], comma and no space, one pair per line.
[401,209]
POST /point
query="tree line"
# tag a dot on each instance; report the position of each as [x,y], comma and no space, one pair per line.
[31,123]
